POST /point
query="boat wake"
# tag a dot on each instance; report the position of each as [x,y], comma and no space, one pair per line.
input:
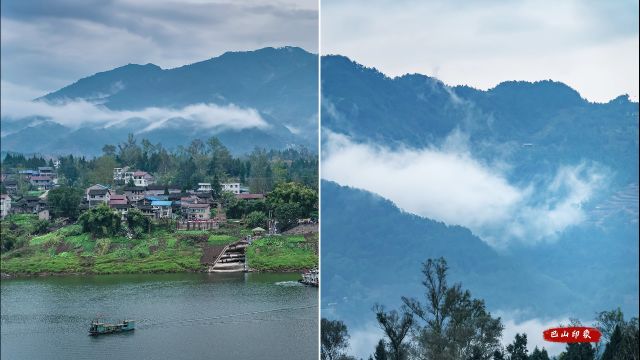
[289,283]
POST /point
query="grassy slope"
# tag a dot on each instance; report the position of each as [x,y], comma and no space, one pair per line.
[68,250]
[281,253]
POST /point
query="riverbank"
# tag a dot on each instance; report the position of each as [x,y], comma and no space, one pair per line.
[70,251]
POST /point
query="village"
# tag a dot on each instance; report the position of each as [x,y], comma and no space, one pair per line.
[134,223]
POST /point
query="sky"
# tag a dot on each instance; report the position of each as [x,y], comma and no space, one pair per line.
[50,44]
[590,45]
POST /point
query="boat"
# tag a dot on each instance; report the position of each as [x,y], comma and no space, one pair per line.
[310,278]
[99,328]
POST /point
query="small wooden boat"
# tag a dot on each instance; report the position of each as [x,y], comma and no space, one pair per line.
[99,328]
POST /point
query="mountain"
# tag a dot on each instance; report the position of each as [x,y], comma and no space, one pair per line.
[550,118]
[372,250]
[279,83]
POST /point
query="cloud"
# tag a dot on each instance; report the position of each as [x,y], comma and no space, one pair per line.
[363,340]
[533,328]
[44,44]
[591,46]
[448,184]
[78,113]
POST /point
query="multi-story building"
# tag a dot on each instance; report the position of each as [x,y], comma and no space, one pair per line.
[193,211]
[231,187]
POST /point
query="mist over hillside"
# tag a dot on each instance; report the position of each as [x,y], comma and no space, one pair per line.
[264,98]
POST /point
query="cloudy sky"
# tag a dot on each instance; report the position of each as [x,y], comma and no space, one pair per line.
[590,45]
[50,44]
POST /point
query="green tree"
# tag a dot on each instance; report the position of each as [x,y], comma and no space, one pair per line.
[64,201]
[578,351]
[518,349]
[100,221]
[294,193]
[137,222]
[287,215]
[109,150]
[456,326]
[538,354]
[334,339]
[613,348]
[396,327]
[381,351]
[102,172]
[256,218]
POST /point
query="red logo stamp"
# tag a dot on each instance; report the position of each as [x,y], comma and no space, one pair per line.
[575,334]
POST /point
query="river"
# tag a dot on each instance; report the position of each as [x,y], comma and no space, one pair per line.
[179,316]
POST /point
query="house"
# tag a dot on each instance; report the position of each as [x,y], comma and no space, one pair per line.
[204,187]
[95,187]
[11,186]
[231,187]
[194,211]
[43,214]
[118,174]
[46,171]
[249,197]
[28,205]
[28,173]
[147,210]
[162,208]
[96,197]
[155,190]
[5,205]
[142,178]
[119,203]
[41,182]
[134,193]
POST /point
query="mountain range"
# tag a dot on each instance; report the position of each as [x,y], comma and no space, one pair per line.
[277,85]
[372,250]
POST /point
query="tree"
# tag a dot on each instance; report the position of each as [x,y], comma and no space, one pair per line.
[256,218]
[137,222]
[518,349]
[100,221]
[578,351]
[296,193]
[64,201]
[334,339]
[456,326]
[381,351]
[102,172]
[396,327]
[287,215]
[612,350]
[109,150]
[538,354]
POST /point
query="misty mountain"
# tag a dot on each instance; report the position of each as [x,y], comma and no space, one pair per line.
[372,250]
[534,126]
[279,84]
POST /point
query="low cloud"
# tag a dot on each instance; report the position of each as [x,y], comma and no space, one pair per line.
[78,113]
[533,328]
[449,184]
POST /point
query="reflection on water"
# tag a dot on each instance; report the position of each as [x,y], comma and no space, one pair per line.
[179,316]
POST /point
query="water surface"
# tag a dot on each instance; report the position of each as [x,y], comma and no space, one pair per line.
[179,316]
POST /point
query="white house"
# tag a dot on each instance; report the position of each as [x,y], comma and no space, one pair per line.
[142,178]
[204,187]
[98,194]
[231,187]
[5,205]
